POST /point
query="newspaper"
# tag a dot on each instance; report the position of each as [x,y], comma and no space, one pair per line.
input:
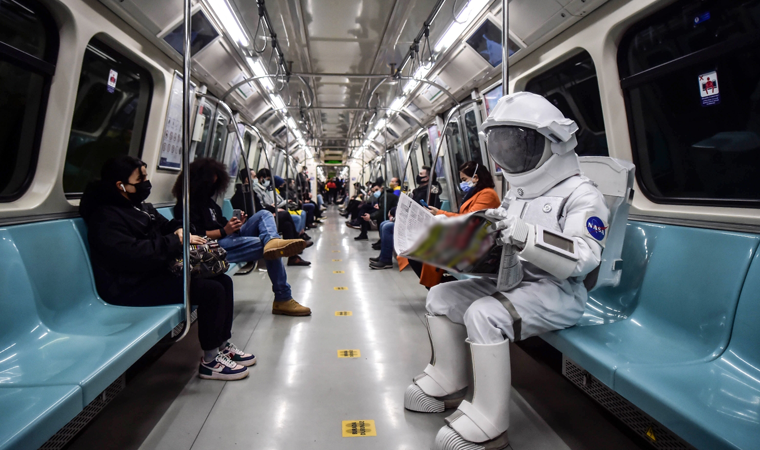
[461,244]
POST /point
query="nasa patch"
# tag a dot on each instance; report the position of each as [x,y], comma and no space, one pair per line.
[596,228]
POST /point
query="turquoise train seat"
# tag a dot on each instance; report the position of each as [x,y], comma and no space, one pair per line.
[30,415]
[60,341]
[674,305]
[678,336]
[714,404]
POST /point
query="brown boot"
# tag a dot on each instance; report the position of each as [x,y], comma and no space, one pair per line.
[279,248]
[290,308]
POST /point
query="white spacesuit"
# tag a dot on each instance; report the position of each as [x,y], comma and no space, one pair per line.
[557,220]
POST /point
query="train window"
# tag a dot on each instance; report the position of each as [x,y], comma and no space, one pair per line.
[473,141]
[109,117]
[220,137]
[412,151]
[691,80]
[394,163]
[29,43]
[427,159]
[491,98]
[454,141]
[574,89]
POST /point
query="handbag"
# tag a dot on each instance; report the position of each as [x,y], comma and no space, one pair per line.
[206,261]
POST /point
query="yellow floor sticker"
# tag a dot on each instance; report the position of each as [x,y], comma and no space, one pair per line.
[340,288]
[338,271]
[349,353]
[650,434]
[337,260]
[336,251]
[359,428]
[344,313]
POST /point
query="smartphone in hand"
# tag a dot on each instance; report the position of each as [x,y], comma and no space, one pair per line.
[423,203]
[237,214]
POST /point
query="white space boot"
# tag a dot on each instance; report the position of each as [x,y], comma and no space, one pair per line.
[482,424]
[443,383]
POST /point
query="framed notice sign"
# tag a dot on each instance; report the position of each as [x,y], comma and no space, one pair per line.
[171,144]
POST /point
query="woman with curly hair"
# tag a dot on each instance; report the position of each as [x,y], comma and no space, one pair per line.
[245,239]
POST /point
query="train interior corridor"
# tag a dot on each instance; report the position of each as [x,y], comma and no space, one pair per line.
[301,391]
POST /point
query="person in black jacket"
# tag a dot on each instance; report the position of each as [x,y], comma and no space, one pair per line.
[385,202]
[245,239]
[132,246]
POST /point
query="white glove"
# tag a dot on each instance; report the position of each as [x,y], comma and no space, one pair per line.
[496,214]
[512,231]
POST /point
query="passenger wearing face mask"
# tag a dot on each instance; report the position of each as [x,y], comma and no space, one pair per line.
[479,194]
[131,248]
[384,202]
[421,191]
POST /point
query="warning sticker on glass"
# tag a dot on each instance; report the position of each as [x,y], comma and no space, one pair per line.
[349,353]
[340,288]
[339,271]
[709,89]
[112,76]
[359,428]
[344,313]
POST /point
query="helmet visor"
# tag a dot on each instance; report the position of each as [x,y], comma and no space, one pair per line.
[515,149]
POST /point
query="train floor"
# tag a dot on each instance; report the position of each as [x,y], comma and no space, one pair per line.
[300,392]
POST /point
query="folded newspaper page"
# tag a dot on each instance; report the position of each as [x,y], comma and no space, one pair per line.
[460,244]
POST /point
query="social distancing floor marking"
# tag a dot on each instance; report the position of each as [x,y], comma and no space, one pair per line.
[338,271]
[353,353]
[340,288]
[344,313]
[359,428]
[337,260]
[336,251]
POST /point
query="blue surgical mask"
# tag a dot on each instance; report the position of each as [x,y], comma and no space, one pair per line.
[465,186]
[376,194]
[265,183]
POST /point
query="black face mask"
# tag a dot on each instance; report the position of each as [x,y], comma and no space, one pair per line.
[421,180]
[142,191]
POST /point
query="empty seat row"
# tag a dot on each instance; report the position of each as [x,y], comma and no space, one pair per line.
[678,336]
[61,344]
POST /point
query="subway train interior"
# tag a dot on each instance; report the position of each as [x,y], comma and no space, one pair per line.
[480,224]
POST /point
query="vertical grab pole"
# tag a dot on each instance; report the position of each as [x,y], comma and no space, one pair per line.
[505,47]
[185,163]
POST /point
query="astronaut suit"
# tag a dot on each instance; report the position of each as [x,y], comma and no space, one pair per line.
[556,220]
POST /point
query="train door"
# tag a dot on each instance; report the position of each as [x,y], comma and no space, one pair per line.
[205,111]
[217,142]
[443,177]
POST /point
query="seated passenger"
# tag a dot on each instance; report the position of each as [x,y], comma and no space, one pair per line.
[479,194]
[295,196]
[385,203]
[548,197]
[264,200]
[132,247]
[384,261]
[294,208]
[244,240]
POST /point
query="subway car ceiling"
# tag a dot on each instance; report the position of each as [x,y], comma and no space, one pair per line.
[341,81]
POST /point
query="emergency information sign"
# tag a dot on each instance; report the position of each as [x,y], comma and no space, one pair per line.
[709,89]
[112,75]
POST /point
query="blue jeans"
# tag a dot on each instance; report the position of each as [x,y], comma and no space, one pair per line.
[320,200]
[309,208]
[299,221]
[386,241]
[248,245]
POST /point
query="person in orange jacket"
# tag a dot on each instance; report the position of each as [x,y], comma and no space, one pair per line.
[479,194]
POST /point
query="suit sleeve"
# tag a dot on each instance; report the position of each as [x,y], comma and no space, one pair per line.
[584,209]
